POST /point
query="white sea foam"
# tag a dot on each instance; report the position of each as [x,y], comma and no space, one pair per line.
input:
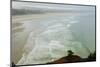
[51,44]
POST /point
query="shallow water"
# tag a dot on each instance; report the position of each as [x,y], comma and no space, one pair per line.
[79,30]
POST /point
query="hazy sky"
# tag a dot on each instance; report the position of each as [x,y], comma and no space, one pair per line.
[49,7]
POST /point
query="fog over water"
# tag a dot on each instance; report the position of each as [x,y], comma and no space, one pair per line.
[43,33]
